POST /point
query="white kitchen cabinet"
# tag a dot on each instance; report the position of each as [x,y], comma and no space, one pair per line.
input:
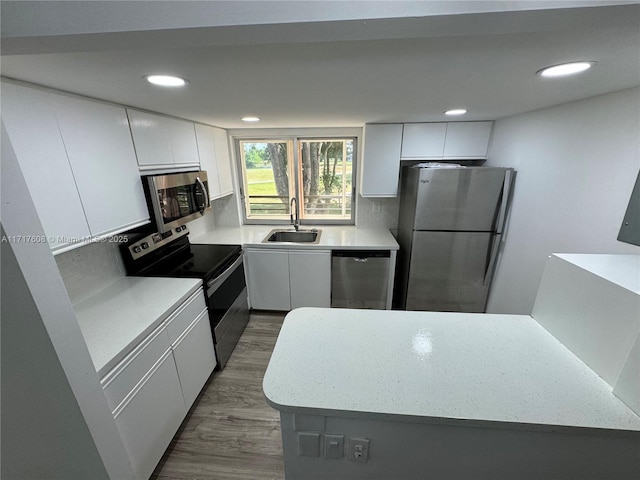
[381,160]
[207,154]
[195,357]
[423,140]
[214,158]
[467,140]
[223,161]
[31,124]
[98,142]
[152,388]
[163,142]
[182,135]
[310,278]
[268,279]
[151,139]
[386,144]
[191,340]
[151,415]
[120,381]
[284,280]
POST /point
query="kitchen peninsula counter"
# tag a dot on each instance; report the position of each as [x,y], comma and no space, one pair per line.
[332,237]
[480,369]
[442,395]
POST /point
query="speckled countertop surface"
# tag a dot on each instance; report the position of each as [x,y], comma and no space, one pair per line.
[437,367]
[117,318]
[332,237]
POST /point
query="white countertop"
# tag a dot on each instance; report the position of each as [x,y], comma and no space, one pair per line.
[623,270]
[117,318]
[437,367]
[332,237]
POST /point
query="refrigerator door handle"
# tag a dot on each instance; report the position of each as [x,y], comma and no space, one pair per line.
[493,256]
[506,192]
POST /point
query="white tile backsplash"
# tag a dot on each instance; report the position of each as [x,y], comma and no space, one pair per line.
[377,212]
[89,269]
[225,211]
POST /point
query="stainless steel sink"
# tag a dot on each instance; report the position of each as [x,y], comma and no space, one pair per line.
[293,236]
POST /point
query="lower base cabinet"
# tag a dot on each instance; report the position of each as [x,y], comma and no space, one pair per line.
[151,390]
[151,417]
[195,358]
[287,279]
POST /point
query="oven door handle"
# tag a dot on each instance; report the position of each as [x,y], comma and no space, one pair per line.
[214,284]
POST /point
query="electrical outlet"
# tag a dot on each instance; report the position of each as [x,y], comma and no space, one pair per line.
[376,206]
[358,449]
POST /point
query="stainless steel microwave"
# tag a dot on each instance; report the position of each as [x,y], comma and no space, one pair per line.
[177,198]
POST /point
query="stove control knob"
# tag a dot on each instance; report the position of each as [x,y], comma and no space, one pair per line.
[144,245]
[137,249]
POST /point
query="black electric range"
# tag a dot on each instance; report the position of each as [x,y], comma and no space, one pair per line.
[219,266]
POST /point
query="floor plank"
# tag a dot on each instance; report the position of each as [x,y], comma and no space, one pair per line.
[231,432]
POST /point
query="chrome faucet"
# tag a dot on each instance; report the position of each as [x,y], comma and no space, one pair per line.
[295,222]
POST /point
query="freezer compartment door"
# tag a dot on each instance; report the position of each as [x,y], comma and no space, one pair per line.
[464,199]
[449,271]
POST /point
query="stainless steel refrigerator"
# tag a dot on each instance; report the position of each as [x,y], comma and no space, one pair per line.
[450,227]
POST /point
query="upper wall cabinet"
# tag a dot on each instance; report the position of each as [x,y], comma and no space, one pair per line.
[98,144]
[450,141]
[381,160]
[223,159]
[214,158]
[79,164]
[423,140]
[163,142]
[467,140]
[31,124]
[386,144]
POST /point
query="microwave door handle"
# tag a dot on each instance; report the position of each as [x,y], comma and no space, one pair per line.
[207,201]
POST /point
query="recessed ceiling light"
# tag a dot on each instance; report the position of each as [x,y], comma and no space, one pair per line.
[250,119]
[166,80]
[456,111]
[565,69]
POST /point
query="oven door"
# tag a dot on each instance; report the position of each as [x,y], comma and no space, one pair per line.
[178,198]
[228,309]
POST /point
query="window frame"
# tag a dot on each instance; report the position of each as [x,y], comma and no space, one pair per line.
[296,135]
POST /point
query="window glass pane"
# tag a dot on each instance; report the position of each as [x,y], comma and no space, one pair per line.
[326,184]
[266,167]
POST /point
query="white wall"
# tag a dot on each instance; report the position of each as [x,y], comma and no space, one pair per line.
[577,164]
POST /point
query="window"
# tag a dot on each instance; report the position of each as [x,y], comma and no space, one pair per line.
[316,171]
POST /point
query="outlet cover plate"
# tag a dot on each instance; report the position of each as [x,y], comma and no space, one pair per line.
[308,444]
[358,449]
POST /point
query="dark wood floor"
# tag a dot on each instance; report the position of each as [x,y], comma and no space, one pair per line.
[231,432]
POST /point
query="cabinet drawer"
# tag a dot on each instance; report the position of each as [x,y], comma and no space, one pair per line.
[150,417]
[127,374]
[184,315]
[195,358]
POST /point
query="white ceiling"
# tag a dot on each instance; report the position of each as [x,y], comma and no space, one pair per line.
[312,64]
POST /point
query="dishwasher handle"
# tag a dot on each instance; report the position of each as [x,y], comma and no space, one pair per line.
[361,255]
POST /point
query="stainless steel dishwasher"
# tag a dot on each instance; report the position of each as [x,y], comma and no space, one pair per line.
[359,278]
